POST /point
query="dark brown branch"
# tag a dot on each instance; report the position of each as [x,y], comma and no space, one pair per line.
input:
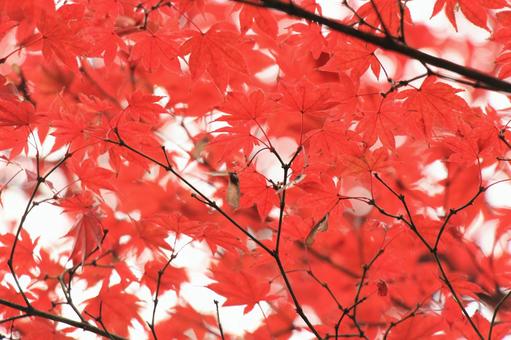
[298,307]
[30,311]
[365,270]
[455,295]
[99,319]
[207,201]
[326,287]
[401,20]
[12,318]
[434,250]
[387,43]
[220,328]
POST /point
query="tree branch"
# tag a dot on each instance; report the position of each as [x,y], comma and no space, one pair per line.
[387,43]
[209,202]
[30,311]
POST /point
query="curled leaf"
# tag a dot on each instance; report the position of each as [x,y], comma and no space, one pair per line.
[322,225]
[233,191]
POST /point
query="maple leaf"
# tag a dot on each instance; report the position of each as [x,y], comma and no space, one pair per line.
[172,277]
[245,107]
[155,49]
[183,319]
[305,97]
[61,35]
[255,190]
[418,327]
[87,234]
[258,19]
[24,252]
[178,223]
[18,114]
[201,95]
[310,38]
[215,236]
[388,10]
[217,51]
[464,286]
[76,130]
[116,320]
[352,55]
[92,177]
[379,123]
[434,104]
[476,11]
[364,160]
[143,107]
[17,121]
[331,141]
[107,41]
[241,288]
[232,140]
[148,235]
[504,60]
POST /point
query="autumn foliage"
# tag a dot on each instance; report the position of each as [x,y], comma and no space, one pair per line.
[340,175]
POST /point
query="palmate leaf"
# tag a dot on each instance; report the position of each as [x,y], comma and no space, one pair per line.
[87,234]
[62,35]
[116,320]
[353,56]
[232,141]
[475,11]
[242,288]
[255,191]
[156,49]
[388,10]
[216,52]
[435,104]
[251,106]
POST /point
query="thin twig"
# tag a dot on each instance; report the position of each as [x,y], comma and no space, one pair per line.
[495,312]
[218,320]
[40,180]
[434,250]
[403,319]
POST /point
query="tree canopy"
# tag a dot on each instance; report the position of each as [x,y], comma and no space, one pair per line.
[343,168]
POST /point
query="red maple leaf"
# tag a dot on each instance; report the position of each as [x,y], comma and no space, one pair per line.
[216,51]
[61,35]
[154,50]
[87,234]
[106,306]
[255,190]
[435,104]
[476,11]
[242,288]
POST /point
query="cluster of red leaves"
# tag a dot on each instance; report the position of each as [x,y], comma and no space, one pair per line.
[284,125]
